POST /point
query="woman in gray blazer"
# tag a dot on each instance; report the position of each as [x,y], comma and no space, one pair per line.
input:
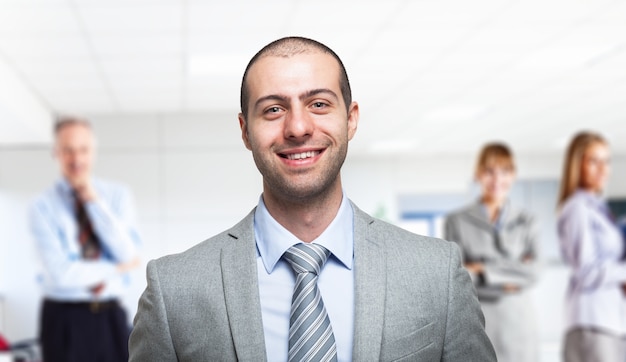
[499,246]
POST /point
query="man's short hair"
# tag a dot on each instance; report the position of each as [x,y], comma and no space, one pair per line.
[287,47]
[66,121]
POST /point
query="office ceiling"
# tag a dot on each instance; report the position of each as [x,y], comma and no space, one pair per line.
[431,76]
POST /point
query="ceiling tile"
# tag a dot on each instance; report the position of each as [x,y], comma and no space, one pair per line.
[48,47]
[225,18]
[330,14]
[82,101]
[130,18]
[143,102]
[56,69]
[85,81]
[37,18]
[142,66]
[129,45]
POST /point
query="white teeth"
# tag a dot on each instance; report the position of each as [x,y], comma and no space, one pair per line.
[302,155]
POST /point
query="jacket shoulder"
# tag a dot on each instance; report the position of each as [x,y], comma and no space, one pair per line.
[471,211]
[405,241]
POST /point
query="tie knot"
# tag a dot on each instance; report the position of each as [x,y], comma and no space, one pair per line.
[306,257]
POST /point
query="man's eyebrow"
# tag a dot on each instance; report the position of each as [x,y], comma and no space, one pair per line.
[305,95]
[271,97]
[315,92]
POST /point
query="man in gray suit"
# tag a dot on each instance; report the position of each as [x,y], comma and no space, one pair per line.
[383,294]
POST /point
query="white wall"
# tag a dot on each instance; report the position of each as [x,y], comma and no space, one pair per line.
[190,183]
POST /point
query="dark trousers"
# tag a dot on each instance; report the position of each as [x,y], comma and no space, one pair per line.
[73,332]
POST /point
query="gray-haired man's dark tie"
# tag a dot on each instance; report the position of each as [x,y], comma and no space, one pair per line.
[311,336]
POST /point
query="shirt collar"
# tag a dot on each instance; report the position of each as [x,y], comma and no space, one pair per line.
[501,214]
[65,188]
[272,239]
[591,198]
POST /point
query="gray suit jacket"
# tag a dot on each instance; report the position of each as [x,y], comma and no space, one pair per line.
[509,254]
[413,299]
[503,250]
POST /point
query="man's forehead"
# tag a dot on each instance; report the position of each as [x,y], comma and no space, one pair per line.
[308,56]
[75,133]
[285,80]
[81,130]
[299,66]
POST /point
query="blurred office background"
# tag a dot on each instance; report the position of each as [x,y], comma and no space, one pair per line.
[435,80]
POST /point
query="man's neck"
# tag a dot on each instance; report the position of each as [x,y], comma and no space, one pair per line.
[306,219]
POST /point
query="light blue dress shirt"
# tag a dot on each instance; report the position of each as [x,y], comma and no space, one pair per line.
[593,246]
[277,279]
[65,275]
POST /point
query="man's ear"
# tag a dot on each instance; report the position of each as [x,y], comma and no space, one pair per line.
[244,130]
[353,119]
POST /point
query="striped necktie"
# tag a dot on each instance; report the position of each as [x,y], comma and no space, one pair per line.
[311,335]
[87,238]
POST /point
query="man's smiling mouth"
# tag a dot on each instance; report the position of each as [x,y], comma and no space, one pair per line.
[300,155]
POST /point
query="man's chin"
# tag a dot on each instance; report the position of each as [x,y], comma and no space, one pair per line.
[77,181]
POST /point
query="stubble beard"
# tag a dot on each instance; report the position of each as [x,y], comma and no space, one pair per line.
[305,187]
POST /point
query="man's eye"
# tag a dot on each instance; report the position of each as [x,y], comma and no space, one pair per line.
[273,110]
[319,105]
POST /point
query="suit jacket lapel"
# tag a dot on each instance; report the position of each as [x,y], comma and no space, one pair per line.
[477,214]
[243,304]
[370,289]
[241,292]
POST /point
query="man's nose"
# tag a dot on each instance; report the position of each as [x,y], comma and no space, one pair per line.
[298,124]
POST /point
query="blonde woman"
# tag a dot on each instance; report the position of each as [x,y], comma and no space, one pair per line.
[499,244]
[592,245]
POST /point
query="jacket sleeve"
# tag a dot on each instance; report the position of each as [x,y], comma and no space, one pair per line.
[451,233]
[449,230]
[465,337]
[150,339]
